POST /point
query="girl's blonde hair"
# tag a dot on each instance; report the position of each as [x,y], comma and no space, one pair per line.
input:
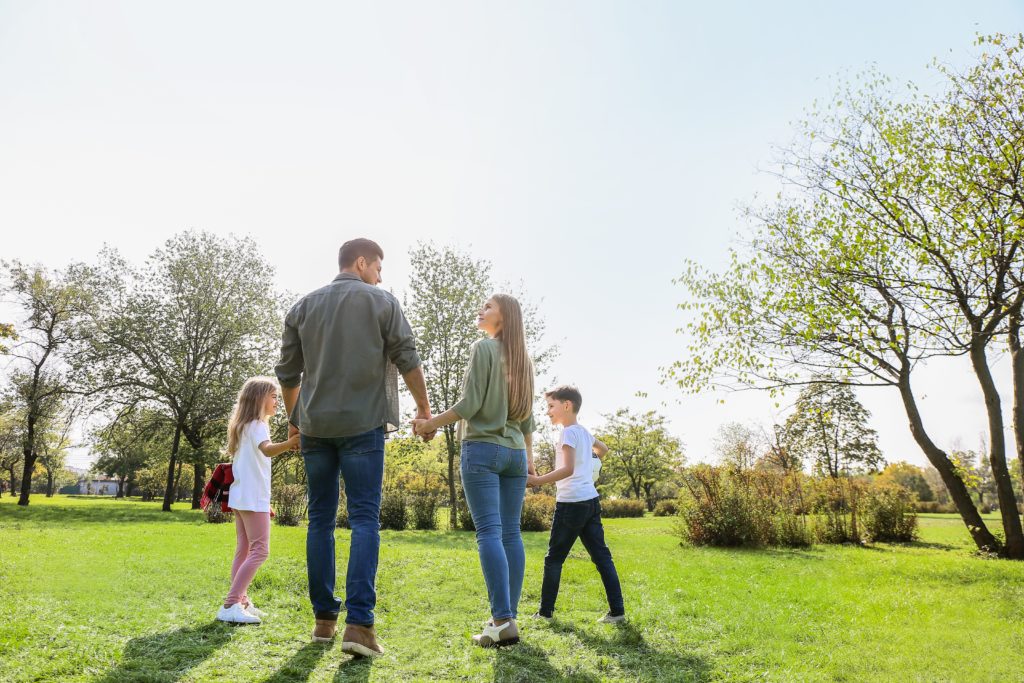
[518,366]
[248,407]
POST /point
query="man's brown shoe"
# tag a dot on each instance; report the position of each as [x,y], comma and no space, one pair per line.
[324,630]
[360,641]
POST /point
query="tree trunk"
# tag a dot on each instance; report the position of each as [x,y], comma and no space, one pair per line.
[14,481]
[30,461]
[198,483]
[177,482]
[49,484]
[1017,365]
[958,493]
[997,456]
[169,492]
[120,487]
[453,513]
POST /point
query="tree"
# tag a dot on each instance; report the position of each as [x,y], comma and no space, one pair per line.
[829,428]
[125,445]
[737,445]
[642,453]
[54,438]
[867,264]
[910,477]
[11,453]
[55,305]
[183,333]
[446,290]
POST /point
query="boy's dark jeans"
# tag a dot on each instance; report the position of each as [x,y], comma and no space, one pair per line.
[582,520]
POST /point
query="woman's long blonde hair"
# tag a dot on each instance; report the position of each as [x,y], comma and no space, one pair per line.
[518,366]
[248,407]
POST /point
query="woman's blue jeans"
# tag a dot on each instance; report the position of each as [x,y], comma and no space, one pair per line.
[494,479]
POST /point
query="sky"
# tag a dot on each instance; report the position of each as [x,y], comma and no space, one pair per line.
[584,148]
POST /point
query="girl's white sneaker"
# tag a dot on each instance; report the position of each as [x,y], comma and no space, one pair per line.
[254,610]
[236,614]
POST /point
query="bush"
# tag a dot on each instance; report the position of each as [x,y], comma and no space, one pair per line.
[889,513]
[838,503]
[666,508]
[464,516]
[730,508]
[424,511]
[394,513]
[289,504]
[932,506]
[622,507]
[538,509]
[214,515]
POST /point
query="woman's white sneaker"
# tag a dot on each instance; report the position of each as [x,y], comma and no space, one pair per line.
[236,614]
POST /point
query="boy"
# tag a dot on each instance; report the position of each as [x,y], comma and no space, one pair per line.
[577,506]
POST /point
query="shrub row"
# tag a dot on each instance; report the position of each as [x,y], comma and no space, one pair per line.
[725,507]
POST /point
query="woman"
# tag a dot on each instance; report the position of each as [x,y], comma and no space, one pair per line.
[496,403]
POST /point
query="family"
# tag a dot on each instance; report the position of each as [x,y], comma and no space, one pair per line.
[343,347]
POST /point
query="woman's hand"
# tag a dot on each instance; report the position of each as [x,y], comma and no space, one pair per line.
[424,429]
[531,480]
[293,442]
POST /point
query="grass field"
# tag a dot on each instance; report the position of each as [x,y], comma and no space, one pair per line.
[112,591]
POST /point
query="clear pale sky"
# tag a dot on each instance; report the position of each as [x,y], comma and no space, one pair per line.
[586,148]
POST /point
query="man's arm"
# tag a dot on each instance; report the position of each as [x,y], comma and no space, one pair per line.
[417,384]
[291,397]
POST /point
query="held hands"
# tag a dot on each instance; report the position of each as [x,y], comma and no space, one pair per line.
[421,427]
[531,480]
[293,439]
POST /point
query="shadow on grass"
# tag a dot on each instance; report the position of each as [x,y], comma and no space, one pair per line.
[168,657]
[301,664]
[99,511]
[626,645]
[524,662]
[354,669]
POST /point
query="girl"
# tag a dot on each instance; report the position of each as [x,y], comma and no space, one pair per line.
[249,496]
[496,404]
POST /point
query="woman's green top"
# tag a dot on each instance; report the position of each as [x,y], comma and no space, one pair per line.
[484,402]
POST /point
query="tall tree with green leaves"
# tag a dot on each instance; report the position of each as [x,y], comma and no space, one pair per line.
[877,255]
[183,333]
[125,445]
[55,305]
[642,453]
[829,428]
[447,289]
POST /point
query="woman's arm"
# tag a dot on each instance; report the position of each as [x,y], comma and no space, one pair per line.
[424,427]
[530,467]
[271,449]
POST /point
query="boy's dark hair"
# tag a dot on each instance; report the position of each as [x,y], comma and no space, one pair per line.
[353,249]
[567,393]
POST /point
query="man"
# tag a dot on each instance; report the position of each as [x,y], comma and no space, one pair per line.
[341,346]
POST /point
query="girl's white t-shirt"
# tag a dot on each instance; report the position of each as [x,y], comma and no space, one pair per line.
[250,489]
[580,485]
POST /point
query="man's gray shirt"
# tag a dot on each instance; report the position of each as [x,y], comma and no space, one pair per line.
[343,342]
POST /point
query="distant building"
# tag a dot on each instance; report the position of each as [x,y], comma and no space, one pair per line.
[88,486]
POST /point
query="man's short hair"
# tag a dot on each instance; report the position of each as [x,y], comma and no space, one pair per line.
[353,249]
[567,393]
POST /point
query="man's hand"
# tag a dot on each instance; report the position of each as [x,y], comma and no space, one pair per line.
[531,480]
[420,427]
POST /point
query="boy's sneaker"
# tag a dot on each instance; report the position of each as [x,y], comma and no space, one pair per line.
[236,614]
[612,619]
[254,610]
[546,617]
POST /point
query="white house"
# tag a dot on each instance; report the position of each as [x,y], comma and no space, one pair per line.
[97,487]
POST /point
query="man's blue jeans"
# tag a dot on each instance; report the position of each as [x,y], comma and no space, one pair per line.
[360,462]
[494,479]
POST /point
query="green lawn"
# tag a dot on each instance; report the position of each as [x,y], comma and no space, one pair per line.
[103,590]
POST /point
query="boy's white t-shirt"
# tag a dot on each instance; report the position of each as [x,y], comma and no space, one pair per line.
[250,489]
[580,485]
